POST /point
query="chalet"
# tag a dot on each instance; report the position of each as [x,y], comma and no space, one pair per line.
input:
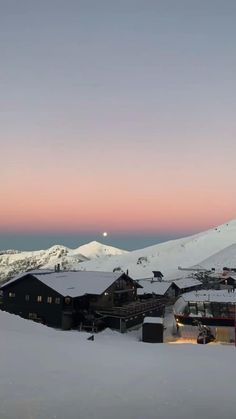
[166,289]
[79,299]
[150,288]
[183,285]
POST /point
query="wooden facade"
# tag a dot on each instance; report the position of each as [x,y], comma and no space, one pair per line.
[117,306]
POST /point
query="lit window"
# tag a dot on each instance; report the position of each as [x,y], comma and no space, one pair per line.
[67,300]
[39,298]
[32,316]
[49,300]
[57,300]
[12,294]
[27,297]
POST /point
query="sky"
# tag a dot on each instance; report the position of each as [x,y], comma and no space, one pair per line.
[116,116]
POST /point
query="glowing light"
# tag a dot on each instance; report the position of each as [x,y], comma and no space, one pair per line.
[104,234]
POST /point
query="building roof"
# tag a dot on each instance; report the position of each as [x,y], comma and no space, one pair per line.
[153,287]
[187,283]
[155,320]
[213,296]
[74,284]
[230,275]
[31,272]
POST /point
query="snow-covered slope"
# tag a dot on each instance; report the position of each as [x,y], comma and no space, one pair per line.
[48,374]
[96,250]
[14,262]
[225,257]
[167,256]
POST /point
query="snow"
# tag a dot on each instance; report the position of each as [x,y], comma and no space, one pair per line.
[210,296]
[218,243]
[187,283]
[95,249]
[154,320]
[76,284]
[12,264]
[48,374]
[153,287]
[166,257]
[33,272]
[221,259]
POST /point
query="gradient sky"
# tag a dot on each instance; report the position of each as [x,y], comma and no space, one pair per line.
[117,116]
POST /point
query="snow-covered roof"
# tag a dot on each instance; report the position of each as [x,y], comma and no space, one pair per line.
[31,272]
[155,320]
[76,284]
[216,296]
[230,275]
[186,283]
[153,287]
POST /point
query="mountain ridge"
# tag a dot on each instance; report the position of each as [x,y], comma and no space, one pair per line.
[15,262]
[167,256]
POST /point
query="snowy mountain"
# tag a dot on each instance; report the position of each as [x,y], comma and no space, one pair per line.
[13,262]
[168,256]
[212,248]
[221,259]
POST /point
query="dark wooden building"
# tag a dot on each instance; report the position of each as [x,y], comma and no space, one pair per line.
[187,284]
[228,279]
[76,299]
[156,288]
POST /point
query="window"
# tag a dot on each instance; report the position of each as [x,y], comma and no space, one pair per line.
[121,284]
[39,299]
[12,294]
[200,308]
[193,308]
[67,300]
[33,316]
[49,300]
[27,297]
[57,300]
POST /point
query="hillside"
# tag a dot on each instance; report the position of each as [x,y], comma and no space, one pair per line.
[168,256]
[212,248]
[225,257]
[13,262]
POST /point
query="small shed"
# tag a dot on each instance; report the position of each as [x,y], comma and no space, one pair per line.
[153,330]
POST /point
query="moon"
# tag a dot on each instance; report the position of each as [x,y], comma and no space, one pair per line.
[104,234]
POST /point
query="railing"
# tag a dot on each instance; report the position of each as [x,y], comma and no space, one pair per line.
[133,308]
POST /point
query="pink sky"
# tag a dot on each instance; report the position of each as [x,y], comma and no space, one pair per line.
[119,118]
[133,193]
